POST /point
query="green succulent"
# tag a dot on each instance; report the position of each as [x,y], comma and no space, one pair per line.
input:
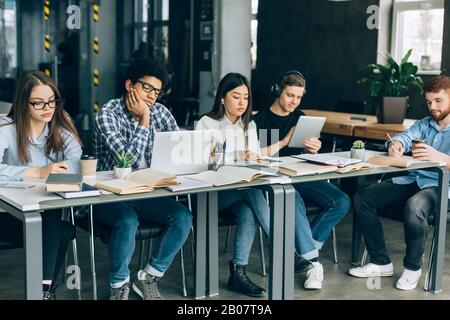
[124,160]
[358,144]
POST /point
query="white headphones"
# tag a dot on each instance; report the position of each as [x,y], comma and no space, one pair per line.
[223,101]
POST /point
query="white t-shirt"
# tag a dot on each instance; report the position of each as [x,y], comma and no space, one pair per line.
[233,133]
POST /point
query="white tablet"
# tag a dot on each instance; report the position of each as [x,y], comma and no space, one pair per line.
[307,127]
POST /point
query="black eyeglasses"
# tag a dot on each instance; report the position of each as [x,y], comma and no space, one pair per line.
[147,87]
[40,105]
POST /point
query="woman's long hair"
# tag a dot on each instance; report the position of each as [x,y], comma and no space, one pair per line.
[228,83]
[21,115]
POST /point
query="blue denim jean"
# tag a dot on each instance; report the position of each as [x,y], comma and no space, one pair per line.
[309,237]
[124,220]
[246,205]
[334,203]
[304,243]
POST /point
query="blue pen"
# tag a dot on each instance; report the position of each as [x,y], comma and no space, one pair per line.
[224,147]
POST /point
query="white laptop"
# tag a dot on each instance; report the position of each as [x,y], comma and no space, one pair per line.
[181,152]
[307,127]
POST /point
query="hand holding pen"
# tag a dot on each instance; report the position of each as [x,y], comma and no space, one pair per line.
[396,148]
[54,167]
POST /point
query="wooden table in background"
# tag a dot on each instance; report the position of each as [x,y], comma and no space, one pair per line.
[340,123]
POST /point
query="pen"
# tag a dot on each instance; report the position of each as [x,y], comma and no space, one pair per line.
[16,185]
[392,141]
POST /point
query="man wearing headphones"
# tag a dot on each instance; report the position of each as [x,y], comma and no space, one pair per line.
[282,116]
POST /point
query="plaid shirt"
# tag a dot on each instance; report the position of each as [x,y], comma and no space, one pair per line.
[116,131]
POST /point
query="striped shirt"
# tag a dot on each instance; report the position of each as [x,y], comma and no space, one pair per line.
[116,131]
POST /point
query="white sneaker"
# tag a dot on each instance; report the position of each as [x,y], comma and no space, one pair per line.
[372,270]
[408,279]
[314,277]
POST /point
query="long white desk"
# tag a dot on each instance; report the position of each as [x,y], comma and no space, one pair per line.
[27,205]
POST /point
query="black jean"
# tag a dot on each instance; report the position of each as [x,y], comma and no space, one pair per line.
[407,203]
[56,236]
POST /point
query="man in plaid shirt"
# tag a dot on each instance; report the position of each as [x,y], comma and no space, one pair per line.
[128,125]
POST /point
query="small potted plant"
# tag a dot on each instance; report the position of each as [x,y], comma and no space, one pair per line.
[358,150]
[123,165]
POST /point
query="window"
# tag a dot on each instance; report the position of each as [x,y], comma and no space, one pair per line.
[159,22]
[8,38]
[419,25]
[254,31]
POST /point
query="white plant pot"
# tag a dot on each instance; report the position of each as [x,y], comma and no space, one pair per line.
[357,154]
[121,173]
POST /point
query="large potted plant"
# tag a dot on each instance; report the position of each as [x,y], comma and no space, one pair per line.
[390,85]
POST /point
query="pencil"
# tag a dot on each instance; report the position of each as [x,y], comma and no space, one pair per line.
[392,141]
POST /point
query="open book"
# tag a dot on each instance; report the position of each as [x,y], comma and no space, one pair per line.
[403,162]
[145,180]
[327,158]
[296,169]
[226,175]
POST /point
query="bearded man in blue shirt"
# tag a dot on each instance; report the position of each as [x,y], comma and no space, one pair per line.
[416,193]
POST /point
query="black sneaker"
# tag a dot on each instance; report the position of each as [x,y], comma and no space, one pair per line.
[302,265]
[147,289]
[120,293]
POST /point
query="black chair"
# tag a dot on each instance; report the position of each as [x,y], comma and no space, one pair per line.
[9,237]
[146,232]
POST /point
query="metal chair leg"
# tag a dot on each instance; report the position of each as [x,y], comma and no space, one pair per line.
[261,251]
[141,253]
[75,253]
[364,257]
[426,286]
[92,252]
[335,246]
[183,272]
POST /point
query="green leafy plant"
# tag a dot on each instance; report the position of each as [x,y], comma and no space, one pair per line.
[358,144]
[124,160]
[392,80]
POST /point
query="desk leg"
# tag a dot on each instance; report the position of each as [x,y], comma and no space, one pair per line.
[441,225]
[200,246]
[32,239]
[213,245]
[289,243]
[276,195]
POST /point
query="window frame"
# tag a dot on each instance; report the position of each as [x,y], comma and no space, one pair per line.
[400,7]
